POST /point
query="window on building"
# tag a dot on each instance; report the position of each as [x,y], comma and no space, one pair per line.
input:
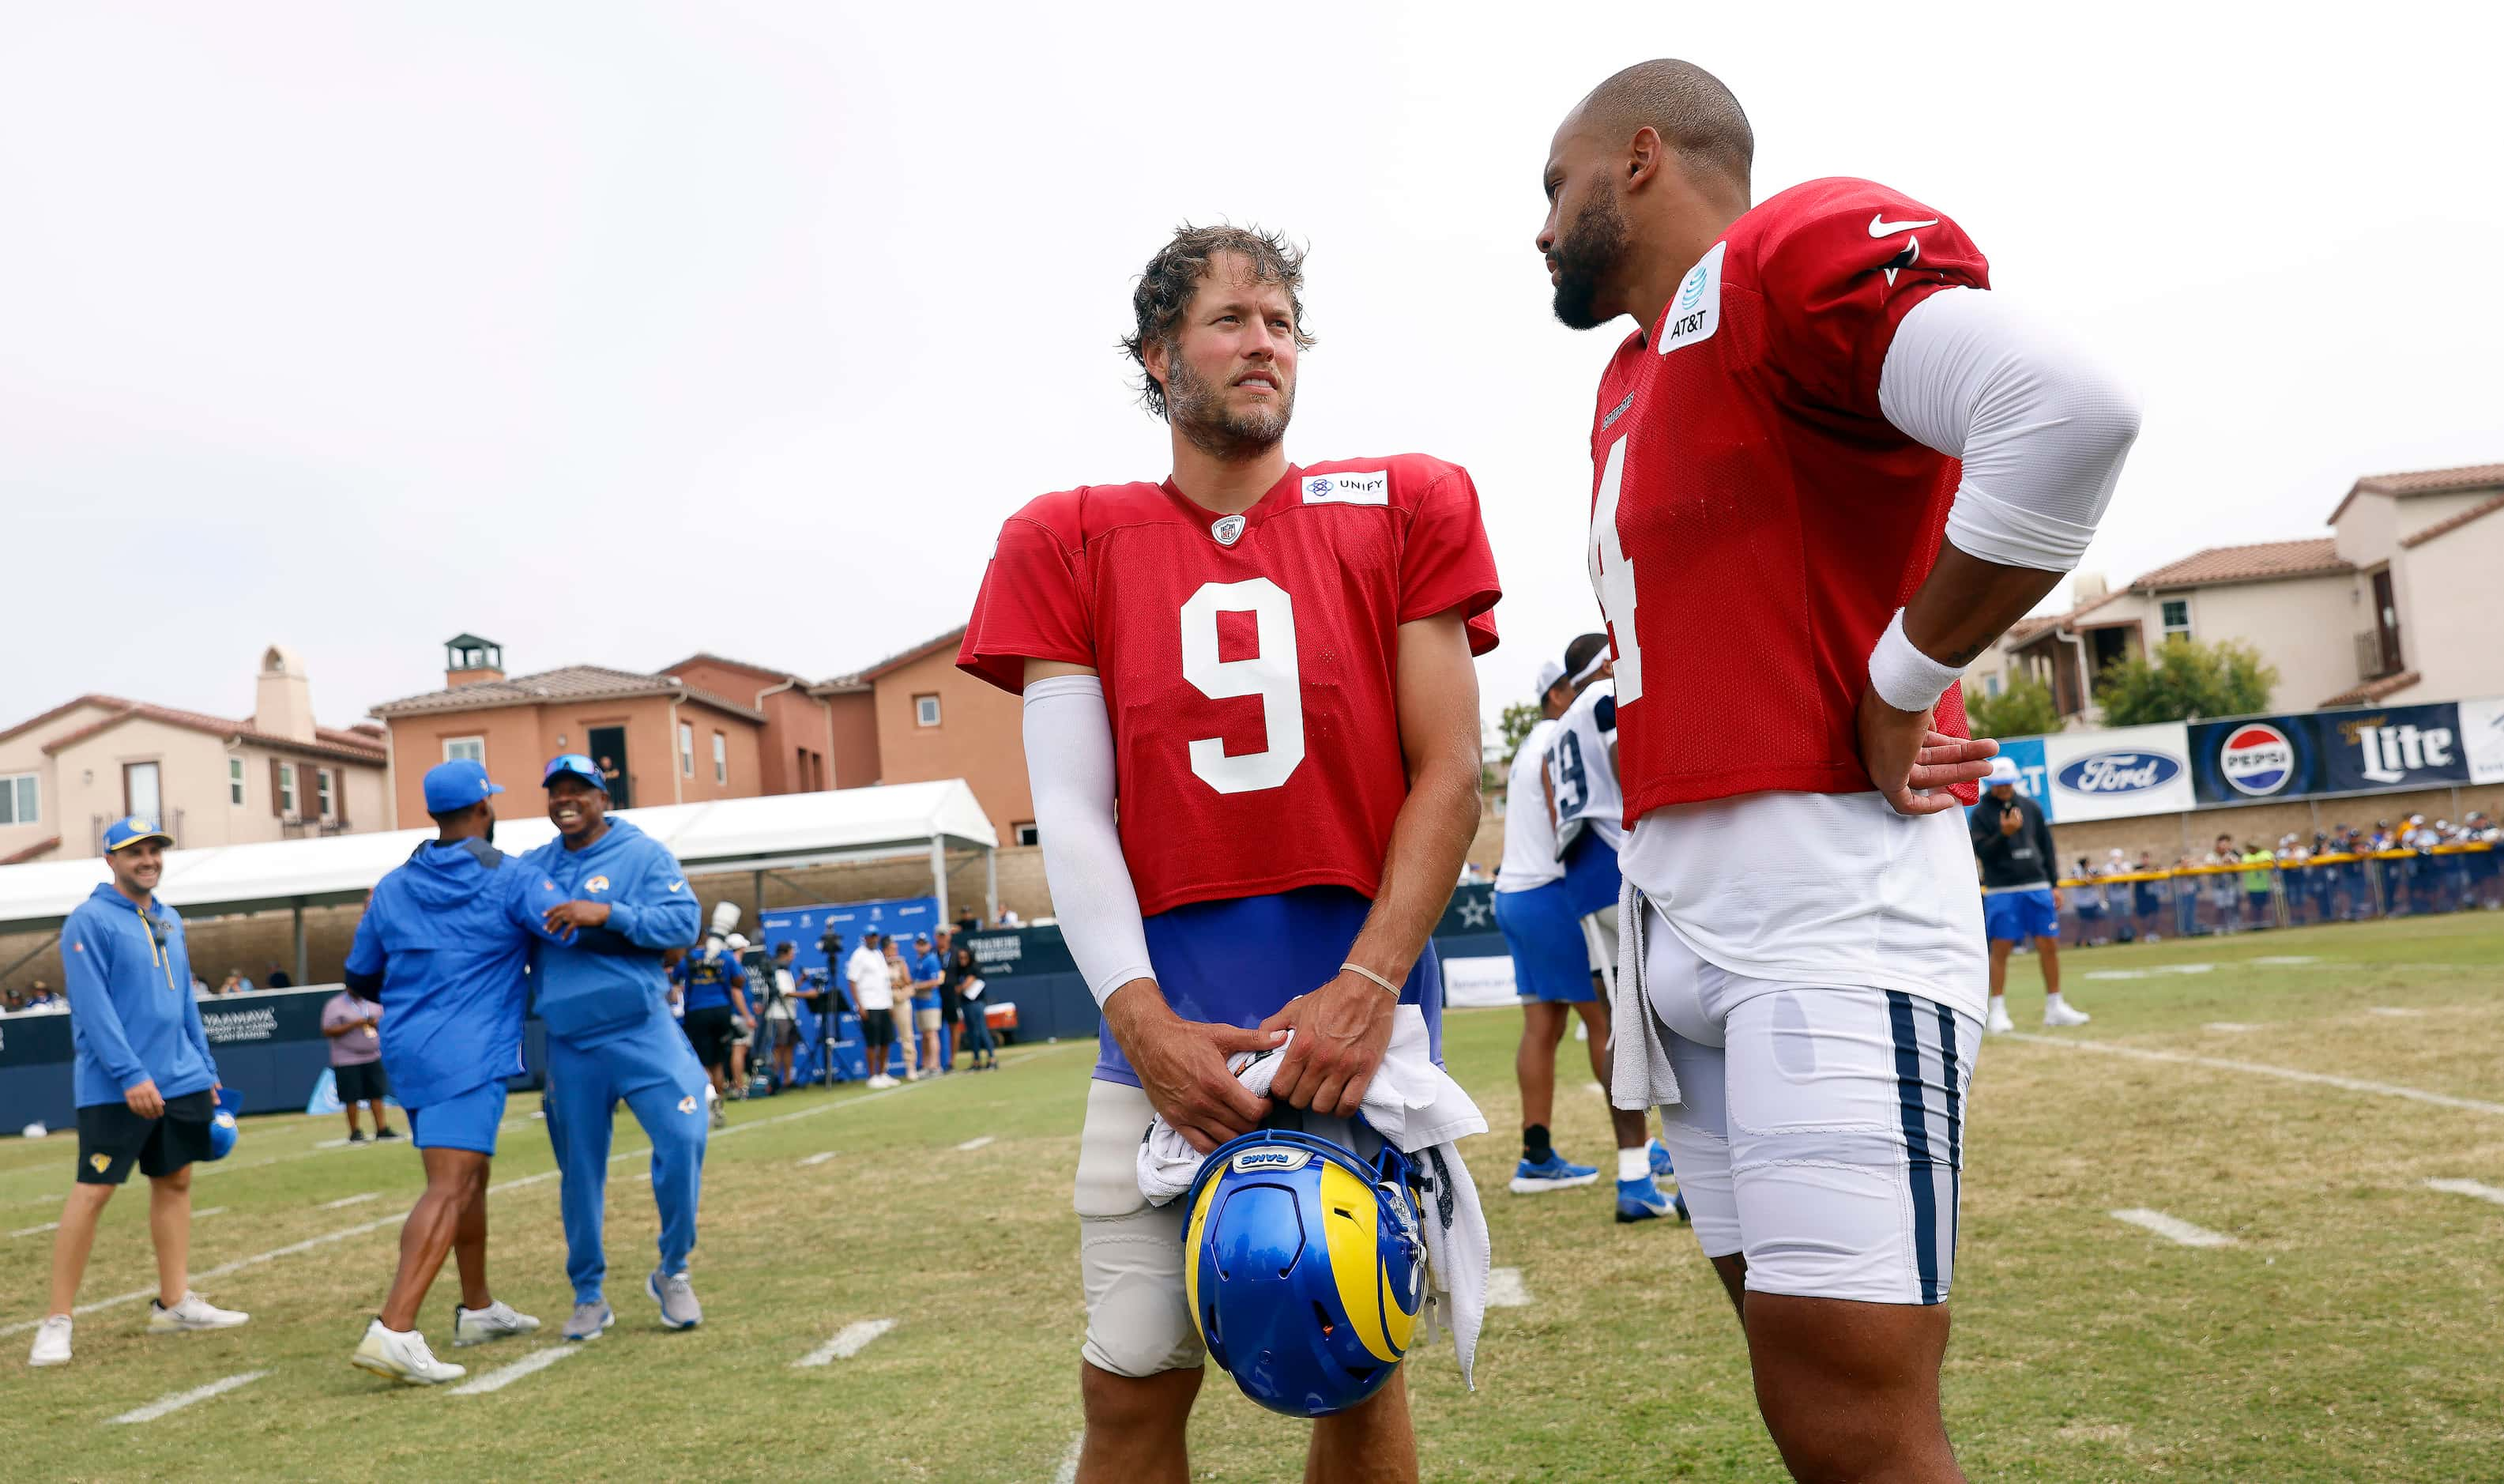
[321,792]
[235,780]
[687,750]
[1025,834]
[2176,614]
[20,800]
[1991,685]
[721,758]
[286,788]
[926,710]
[143,790]
[474,749]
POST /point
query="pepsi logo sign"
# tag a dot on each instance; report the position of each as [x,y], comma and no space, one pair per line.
[1272,1161]
[2119,772]
[2256,759]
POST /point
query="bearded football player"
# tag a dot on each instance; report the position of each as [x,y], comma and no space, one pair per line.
[1267,666]
[1830,468]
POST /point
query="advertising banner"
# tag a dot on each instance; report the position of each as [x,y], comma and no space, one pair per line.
[2398,746]
[2482,739]
[2257,758]
[2118,774]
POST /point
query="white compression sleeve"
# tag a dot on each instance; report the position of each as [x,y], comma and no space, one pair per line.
[1070,765]
[2041,428]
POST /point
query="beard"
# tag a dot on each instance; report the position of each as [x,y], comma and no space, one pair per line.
[1586,257]
[1199,411]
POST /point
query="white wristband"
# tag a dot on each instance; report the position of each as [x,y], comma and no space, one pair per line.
[1903,677]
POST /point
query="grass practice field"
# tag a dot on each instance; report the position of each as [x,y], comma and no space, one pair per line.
[2296,1093]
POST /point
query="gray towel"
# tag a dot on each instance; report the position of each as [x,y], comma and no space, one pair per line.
[1639,1074]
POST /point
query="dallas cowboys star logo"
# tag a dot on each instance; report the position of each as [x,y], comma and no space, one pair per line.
[1475,914]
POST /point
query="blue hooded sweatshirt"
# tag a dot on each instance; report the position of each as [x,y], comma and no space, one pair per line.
[132,1018]
[443,945]
[584,993]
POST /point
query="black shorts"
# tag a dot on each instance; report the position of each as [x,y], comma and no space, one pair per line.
[709,1030]
[364,1083]
[877,1027]
[112,1137]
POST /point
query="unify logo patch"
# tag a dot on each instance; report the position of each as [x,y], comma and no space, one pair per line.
[1373,489]
[1270,1161]
[1694,311]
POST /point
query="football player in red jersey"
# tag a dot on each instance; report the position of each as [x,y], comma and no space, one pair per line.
[1269,665]
[1830,469]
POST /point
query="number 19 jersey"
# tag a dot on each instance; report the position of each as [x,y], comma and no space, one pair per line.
[1248,661]
[1582,769]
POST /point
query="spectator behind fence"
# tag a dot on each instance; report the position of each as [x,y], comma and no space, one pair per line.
[2259,869]
[782,1021]
[277,978]
[2147,897]
[355,1028]
[899,975]
[965,983]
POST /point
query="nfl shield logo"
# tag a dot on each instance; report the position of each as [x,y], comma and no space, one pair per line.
[1228,531]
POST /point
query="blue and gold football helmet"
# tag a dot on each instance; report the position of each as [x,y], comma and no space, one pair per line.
[1304,1267]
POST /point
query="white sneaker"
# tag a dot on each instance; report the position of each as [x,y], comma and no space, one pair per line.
[1999,1023]
[193,1313]
[401,1356]
[51,1342]
[476,1327]
[2063,1015]
[882,1082]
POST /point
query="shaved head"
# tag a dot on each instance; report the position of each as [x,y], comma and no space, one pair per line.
[1687,106]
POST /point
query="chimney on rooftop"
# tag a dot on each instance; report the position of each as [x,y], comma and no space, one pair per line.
[469,660]
[283,698]
[2085,588]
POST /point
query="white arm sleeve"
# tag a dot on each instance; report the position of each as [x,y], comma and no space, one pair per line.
[1070,765]
[2041,428]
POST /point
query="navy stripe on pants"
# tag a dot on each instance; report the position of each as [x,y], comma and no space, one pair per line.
[1919,1159]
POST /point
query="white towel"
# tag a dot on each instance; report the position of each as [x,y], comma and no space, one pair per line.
[1420,1110]
[1639,1074]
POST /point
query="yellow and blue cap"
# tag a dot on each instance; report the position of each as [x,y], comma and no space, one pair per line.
[131,829]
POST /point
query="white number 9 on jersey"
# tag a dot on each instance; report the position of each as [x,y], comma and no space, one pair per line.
[1271,674]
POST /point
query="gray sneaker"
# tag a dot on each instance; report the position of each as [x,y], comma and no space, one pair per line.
[588,1320]
[676,1297]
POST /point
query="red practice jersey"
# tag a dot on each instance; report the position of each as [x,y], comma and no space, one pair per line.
[1248,661]
[1755,521]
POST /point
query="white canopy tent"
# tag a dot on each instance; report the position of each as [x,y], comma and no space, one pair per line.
[775,833]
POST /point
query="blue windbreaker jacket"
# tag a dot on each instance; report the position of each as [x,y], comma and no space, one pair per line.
[584,993]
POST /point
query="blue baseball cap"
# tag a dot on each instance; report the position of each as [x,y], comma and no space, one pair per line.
[576,764]
[131,829]
[458,784]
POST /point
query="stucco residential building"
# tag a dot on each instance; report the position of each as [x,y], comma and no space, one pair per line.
[210,781]
[926,719]
[2397,604]
[660,739]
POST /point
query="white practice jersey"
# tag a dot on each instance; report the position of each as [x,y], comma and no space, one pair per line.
[1529,837]
[1582,769]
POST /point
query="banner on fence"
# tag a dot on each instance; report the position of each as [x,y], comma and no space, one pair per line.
[2260,757]
[2398,746]
[2482,739]
[2118,774]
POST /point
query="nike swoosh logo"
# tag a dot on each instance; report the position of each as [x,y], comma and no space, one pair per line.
[1880,227]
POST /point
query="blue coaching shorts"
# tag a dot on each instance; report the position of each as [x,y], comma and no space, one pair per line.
[2013,917]
[1549,959]
[1590,875]
[467,1121]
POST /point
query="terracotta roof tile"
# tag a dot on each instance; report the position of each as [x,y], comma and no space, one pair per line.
[2373,690]
[2454,523]
[903,658]
[31,852]
[571,682]
[327,742]
[2429,481]
[2259,561]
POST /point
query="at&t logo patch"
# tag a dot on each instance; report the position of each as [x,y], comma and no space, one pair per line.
[2256,759]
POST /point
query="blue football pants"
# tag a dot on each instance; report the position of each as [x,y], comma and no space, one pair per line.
[654,1070]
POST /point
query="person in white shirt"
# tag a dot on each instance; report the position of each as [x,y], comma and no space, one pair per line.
[874,996]
[782,1022]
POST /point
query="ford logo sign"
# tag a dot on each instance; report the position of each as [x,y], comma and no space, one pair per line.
[2119,772]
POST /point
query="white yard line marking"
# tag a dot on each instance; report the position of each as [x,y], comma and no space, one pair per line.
[2117,973]
[212,1211]
[222,1269]
[2231,1027]
[181,1400]
[349,1200]
[2321,1079]
[1504,1289]
[819,1158]
[515,1185]
[2467,1188]
[2398,1011]
[2290,960]
[36,1230]
[496,1380]
[1067,1473]
[2172,1227]
[848,1341]
[970,1145]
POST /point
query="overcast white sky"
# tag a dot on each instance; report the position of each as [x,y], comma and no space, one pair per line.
[615,334]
